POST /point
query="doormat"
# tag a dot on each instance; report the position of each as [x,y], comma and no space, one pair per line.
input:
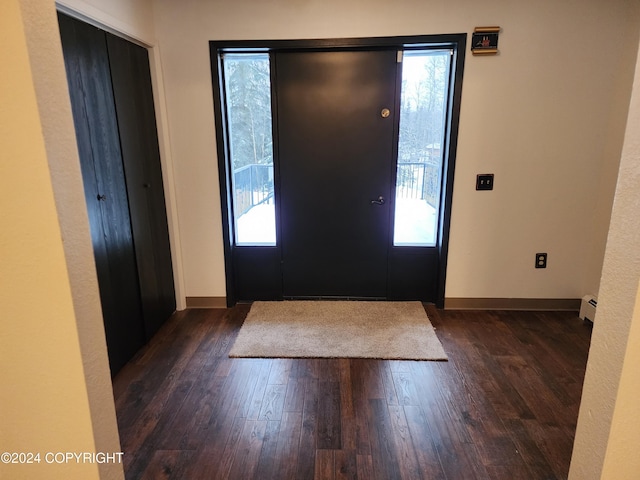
[338,329]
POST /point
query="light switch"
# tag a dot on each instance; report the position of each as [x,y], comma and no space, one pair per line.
[484,181]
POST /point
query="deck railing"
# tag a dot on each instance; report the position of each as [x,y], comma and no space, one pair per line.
[420,180]
[253,185]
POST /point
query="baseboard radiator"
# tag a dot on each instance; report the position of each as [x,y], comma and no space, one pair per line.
[588,308]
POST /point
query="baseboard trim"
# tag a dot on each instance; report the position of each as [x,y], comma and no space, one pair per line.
[558,304]
[541,304]
[206,302]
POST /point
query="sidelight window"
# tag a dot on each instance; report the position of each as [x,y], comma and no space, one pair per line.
[423,109]
[247,95]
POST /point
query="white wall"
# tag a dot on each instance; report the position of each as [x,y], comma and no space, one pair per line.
[546,116]
[608,425]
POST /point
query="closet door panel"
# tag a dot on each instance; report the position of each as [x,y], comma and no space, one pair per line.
[77,45]
[87,64]
[133,94]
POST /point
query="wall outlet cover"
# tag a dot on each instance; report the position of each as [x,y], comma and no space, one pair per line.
[541,260]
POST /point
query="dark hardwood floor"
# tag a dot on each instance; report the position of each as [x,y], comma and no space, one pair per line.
[503,407]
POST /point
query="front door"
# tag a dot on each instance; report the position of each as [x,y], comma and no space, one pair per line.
[335,136]
[336,165]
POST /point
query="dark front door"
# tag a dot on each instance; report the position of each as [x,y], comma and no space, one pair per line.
[336,161]
[336,136]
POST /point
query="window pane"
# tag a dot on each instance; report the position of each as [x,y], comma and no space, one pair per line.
[425,85]
[248,104]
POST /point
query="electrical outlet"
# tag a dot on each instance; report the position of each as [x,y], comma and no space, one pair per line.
[541,260]
[484,181]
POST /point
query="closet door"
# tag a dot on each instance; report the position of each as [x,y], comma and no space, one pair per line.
[88,74]
[133,94]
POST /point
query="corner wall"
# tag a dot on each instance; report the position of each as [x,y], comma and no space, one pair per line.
[607,437]
[45,55]
[45,395]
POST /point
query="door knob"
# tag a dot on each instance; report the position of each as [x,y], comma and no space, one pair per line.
[379,201]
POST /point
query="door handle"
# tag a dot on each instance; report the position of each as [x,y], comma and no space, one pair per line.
[379,201]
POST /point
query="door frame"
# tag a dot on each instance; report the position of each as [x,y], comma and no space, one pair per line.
[455,41]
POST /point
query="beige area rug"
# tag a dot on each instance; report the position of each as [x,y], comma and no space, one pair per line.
[338,329]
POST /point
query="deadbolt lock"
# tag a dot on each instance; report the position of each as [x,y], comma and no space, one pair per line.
[385,113]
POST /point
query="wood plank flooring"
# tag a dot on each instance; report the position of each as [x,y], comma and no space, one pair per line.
[504,406]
